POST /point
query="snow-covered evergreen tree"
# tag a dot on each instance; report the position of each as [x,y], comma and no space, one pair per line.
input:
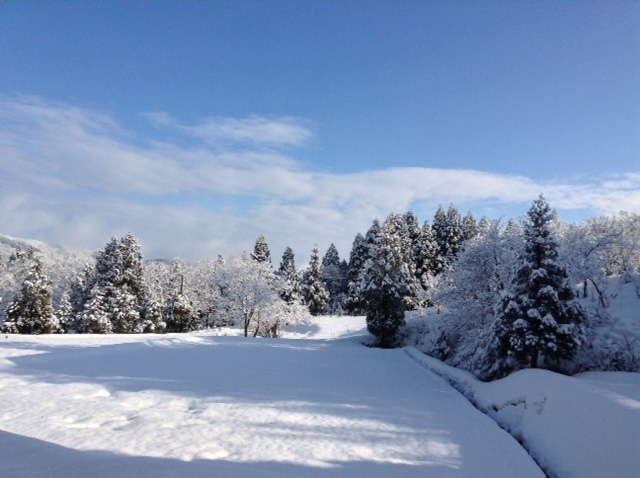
[152,319]
[360,254]
[539,323]
[386,283]
[31,310]
[261,252]
[64,314]
[483,225]
[455,233]
[289,278]
[354,303]
[334,276]
[179,315]
[314,292]
[469,227]
[440,229]
[425,253]
[94,318]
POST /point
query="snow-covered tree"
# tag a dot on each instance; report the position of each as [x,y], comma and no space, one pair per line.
[354,303]
[386,283]
[360,254]
[334,276]
[539,323]
[483,225]
[425,252]
[289,278]
[470,290]
[179,315]
[469,227]
[31,310]
[440,229]
[314,292]
[455,233]
[94,318]
[261,252]
[249,297]
[64,314]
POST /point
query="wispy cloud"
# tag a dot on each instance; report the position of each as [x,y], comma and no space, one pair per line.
[254,130]
[74,176]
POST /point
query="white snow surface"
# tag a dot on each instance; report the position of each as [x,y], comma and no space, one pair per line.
[582,426]
[315,404]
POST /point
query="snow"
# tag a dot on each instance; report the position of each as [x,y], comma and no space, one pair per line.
[314,403]
[582,426]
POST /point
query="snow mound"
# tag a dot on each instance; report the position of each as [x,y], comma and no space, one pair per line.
[583,426]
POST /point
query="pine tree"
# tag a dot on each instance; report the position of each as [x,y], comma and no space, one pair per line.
[354,303]
[386,283]
[425,253]
[261,251]
[484,225]
[152,319]
[455,235]
[440,230]
[31,310]
[64,314]
[94,318]
[469,227]
[81,294]
[539,323]
[179,315]
[289,278]
[314,291]
[334,276]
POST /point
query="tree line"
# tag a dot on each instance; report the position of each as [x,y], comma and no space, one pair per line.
[495,297]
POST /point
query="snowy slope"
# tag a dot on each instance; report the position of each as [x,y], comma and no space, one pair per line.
[204,405]
[583,426]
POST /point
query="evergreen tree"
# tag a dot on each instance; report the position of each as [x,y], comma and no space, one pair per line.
[94,318]
[179,315]
[31,310]
[469,227]
[386,283]
[314,291]
[81,294]
[357,259]
[334,276]
[64,314]
[289,278]
[261,251]
[455,234]
[440,230]
[539,323]
[425,253]
[152,319]
[356,301]
[484,225]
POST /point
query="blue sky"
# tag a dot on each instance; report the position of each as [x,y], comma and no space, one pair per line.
[199,125]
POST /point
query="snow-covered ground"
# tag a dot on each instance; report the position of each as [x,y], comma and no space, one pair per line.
[313,403]
[583,426]
[212,405]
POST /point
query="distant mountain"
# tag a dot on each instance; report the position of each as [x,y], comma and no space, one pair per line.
[8,244]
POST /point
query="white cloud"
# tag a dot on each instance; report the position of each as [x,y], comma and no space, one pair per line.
[73,176]
[256,130]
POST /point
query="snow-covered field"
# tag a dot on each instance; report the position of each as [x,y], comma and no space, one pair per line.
[314,403]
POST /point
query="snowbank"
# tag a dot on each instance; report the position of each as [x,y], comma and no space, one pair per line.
[584,426]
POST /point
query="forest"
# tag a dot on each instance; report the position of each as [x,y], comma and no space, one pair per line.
[486,296]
